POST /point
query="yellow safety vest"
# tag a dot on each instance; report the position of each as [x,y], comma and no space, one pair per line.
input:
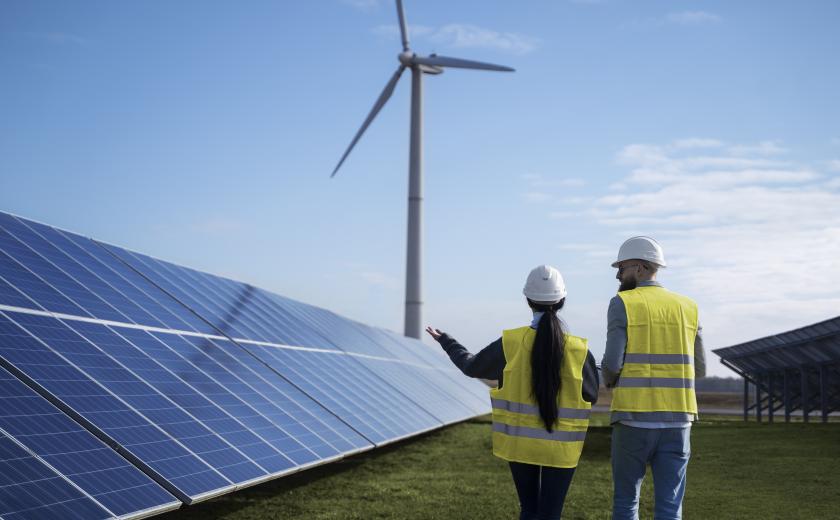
[658,372]
[519,434]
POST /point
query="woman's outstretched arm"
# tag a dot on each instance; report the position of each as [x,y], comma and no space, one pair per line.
[489,363]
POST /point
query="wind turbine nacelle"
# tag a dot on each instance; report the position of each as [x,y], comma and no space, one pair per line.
[406,58]
[429,69]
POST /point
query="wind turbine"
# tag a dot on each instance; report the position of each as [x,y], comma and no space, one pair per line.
[419,65]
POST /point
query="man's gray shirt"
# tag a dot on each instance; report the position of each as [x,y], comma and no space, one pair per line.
[613,362]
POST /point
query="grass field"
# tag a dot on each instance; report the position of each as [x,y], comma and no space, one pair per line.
[737,470]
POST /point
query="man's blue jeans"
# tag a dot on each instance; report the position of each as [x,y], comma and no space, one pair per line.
[667,451]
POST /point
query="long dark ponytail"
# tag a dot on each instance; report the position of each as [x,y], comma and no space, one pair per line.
[546,359]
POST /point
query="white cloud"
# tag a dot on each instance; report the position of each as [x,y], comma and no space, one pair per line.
[471,36]
[667,164]
[834,165]
[762,148]
[756,241]
[692,18]
[833,184]
[542,189]
[465,36]
[696,142]
[539,181]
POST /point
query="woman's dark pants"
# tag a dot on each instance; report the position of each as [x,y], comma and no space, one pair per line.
[541,489]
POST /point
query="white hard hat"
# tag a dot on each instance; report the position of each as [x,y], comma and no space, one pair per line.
[544,285]
[641,248]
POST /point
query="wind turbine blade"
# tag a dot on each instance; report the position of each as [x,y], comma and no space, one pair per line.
[380,102]
[403,27]
[443,61]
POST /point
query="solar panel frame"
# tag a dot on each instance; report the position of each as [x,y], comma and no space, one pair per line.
[163,310]
[120,275]
[114,343]
[159,350]
[221,366]
[280,346]
[302,328]
[270,383]
[77,455]
[27,480]
[106,415]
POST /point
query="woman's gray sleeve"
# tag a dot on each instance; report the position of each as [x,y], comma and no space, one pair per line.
[591,381]
[489,363]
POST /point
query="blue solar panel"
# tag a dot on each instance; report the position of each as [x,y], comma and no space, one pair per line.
[141,296]
[76,454]
[29,489]
[309,416]
[189,477]
[126,290]
[58,279]
[441,372]
[261,316]
[203,382]
[365,402]
[245,427]
[161,409]
[303,434]
[399,372]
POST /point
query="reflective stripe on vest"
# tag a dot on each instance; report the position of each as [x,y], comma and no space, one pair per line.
[658,371]
[519,434]
[532,409]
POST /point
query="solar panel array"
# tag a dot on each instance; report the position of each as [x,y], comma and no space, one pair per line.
[795,370]
[130,385]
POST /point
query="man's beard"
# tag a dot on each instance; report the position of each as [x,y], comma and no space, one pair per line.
[627,286]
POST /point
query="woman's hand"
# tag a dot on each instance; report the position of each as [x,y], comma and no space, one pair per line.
[434,333]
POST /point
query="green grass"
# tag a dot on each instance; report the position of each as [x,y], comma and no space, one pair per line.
[737,470]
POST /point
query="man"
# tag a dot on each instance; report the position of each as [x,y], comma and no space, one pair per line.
[654,352]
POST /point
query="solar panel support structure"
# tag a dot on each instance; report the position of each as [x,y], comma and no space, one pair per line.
[803,372]
[770,401]
[791,371]
[746,399]
[786,394]
[824,392]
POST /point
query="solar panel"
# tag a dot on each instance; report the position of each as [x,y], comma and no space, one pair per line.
[308,417]
[399,373]
[76,454]
[143,302]
[266,318]
[203,383]
[144,442]
[163,311]
[30,489]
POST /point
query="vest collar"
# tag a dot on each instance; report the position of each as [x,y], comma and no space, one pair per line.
[650,283]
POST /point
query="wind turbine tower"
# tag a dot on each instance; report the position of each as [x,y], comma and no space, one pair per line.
[419,65]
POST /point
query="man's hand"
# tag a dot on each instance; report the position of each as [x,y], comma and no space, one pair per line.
[434,333]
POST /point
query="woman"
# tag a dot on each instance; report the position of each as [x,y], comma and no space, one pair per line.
[548,382]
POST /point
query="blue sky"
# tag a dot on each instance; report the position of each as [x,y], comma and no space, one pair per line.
[204,133]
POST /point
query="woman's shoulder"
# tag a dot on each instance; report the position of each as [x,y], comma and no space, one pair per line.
[577,339]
